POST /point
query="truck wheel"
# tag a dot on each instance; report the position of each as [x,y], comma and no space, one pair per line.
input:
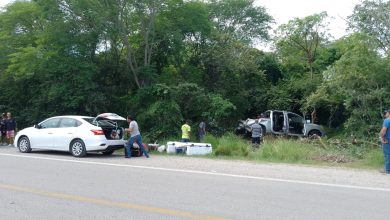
[314,133]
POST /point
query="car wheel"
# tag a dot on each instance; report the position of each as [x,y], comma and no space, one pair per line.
[77,148]
[108,152]
[24,145]
[314,133]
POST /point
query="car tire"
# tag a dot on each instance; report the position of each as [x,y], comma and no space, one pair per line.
[24,145]
[77,148]
[108,152]
[314,133]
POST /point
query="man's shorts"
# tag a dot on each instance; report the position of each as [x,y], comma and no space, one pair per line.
[10,134]
[256,140]
[185,140]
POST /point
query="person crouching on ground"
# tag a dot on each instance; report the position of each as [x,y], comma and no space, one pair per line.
[385,138]
[135,136]
[185,132]
[256,133]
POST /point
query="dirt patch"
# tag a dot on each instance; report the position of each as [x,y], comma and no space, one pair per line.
[332,158]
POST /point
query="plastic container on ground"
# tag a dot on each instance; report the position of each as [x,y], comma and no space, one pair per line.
[199,149]
[172,145]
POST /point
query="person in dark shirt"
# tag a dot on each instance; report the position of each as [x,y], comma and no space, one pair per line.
[257,133]
[3,130]
[202,131]
[10,125]
[385,139]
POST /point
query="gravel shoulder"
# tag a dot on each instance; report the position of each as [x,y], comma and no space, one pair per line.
[327,175]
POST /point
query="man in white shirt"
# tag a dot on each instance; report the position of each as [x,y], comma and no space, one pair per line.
[135,136]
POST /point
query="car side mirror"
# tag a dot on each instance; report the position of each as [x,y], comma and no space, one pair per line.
[37,126]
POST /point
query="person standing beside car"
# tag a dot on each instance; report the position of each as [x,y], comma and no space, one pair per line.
[135,136]
[3,129]
[10,125]
[256,133]
[385,138]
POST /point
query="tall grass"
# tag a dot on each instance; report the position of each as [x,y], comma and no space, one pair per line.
[305,151]
[286,150]
[230,145]
[373,159]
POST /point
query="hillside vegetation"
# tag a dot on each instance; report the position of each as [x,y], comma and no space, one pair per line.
[170,60]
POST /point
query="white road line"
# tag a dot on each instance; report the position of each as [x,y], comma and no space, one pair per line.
[205,173]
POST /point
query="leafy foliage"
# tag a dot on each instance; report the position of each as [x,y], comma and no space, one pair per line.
[171,60]
[355,85]
[373,18]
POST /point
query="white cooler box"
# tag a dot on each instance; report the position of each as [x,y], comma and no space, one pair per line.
[172,145]
[199,149]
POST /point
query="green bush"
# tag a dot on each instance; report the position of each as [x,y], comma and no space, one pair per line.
[232,145]
[161,109]
[214,141]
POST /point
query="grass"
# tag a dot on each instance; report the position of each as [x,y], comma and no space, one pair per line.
[324,152]
[286,150]
[373,159]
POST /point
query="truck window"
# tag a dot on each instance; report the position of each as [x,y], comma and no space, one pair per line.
[266,114]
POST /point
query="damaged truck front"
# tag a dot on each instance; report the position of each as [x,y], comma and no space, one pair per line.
[281,123]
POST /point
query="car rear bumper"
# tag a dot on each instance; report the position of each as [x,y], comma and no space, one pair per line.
[105,145]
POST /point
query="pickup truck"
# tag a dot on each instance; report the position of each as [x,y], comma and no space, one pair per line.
[281,123]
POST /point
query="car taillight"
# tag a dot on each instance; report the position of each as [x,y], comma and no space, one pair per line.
[97,132]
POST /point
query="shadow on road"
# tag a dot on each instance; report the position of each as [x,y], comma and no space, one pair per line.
[96,155]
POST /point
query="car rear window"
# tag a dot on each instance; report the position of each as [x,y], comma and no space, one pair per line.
[90,120]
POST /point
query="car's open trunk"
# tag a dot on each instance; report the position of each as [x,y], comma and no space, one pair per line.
[110,132]
[109,124]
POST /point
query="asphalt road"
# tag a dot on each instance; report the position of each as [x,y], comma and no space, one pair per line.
[49,185]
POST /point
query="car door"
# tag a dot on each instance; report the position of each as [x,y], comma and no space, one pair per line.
[266,121]
[278,122]
[43,137]
[64,134]
[295,124]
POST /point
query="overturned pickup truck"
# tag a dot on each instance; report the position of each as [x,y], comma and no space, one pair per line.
[283,123]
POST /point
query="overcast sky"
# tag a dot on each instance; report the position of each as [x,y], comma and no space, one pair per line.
[285,10]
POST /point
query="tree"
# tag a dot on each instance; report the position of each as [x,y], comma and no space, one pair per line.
[300,39]
[182,30]
[353,89]
[50,72]
[373,18]
[19,26]
[241,19]
[137,21]
[165,107]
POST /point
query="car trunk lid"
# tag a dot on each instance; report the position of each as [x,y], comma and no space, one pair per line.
[108,122]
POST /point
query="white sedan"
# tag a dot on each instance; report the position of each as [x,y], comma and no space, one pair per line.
[75,134]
